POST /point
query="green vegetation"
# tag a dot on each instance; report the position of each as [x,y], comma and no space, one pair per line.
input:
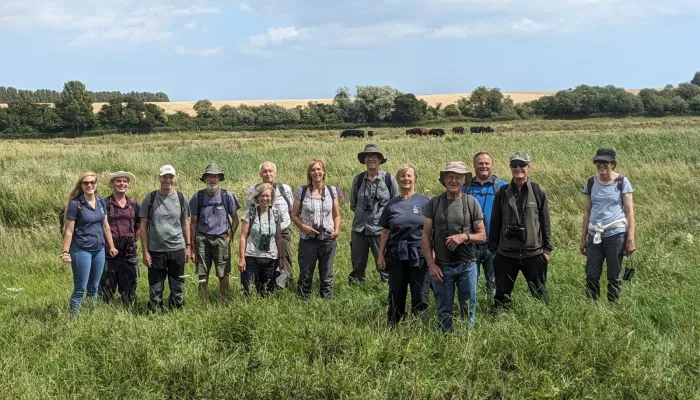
[646,347]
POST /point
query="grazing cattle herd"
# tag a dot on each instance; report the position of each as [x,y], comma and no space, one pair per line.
[436,132]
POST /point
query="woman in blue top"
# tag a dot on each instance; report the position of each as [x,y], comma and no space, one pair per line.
[607,233]
[399,247]
[85,231]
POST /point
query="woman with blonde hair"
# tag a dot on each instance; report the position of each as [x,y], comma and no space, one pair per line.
[261,245]
[86,230]
[316,212]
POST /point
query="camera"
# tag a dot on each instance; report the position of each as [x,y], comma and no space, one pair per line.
[369,206]
[265,242]
[515,231]
[321,231]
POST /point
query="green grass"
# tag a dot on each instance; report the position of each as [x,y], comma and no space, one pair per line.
[646,347]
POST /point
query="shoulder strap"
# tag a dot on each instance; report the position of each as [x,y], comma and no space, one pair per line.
[620,183]
[284,194]
[495,183]
[464,211]
[537,191]
[181,199]
[252,213]
[589,184]
[225,198]
[388,182]
[200,202]
[150,204]
[358,182]
[330,191]
[303,194]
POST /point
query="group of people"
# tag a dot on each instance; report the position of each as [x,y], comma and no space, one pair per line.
[418,243]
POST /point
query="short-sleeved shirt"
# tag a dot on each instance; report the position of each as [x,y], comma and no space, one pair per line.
[165,227]
[280,204]
[404,220]
[606,204]
[123,223]
[453,224]
[316,210]
[213,220]
[373,195]
[484,194]
[263,224]
[88,232]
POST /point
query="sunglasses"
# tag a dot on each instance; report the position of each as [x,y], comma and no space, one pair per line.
[89,183]
[518,164]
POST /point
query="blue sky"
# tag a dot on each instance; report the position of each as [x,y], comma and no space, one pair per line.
[274,49]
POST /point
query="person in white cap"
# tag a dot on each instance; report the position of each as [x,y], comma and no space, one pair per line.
[165,239]
[454,223]
[122,270]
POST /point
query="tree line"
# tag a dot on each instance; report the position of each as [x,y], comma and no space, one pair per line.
[368,106]
[10,95]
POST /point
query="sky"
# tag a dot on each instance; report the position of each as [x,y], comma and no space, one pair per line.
[305,49]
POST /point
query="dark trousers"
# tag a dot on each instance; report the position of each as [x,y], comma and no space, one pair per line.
[286,274]
[312,251]
[360,246]
[401,277]
[259,272]
[534,270]
[169,265]
[484,258]
[611,250]
[122,274]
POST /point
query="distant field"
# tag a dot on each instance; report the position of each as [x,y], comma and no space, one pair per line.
[646,347]
[432,99]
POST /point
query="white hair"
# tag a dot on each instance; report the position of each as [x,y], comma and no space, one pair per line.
[274,167]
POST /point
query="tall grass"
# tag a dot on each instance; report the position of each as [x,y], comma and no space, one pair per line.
[646,347]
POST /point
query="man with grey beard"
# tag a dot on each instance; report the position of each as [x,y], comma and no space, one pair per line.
[214,223]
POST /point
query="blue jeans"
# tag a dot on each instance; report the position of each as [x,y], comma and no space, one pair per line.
[485,258]
[464,277]
[87,270]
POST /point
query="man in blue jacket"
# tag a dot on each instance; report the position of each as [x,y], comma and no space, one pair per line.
[483,188]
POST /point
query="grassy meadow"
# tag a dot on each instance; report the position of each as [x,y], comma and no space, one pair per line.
[645,347]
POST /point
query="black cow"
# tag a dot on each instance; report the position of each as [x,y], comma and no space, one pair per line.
[437,132]
[489,129]
[424,131]
[370,133]
[458,129]
[475,129]
[352,133]
[413,131]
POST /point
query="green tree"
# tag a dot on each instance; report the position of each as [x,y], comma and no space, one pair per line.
[451,110]
[687,90]
[408,109]
[693,105]
[696,79]
[375,103]
[205,110]
[75,107]
[343,101]
[228,115]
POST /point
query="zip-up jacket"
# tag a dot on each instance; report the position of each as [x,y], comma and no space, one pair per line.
[513,206]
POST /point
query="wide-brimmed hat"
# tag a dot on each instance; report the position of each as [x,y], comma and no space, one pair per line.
[521,156]
[212,169]
[371,149]
[457,167]
[606,155]
[166,170]
[119,174]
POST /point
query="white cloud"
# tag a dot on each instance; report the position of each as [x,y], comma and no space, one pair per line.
[210,52]
[245,8]
[323,24]
[92,22]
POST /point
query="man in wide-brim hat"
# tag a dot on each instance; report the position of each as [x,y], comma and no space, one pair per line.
[122,271]
[454,223]
[371,190]
[214,223]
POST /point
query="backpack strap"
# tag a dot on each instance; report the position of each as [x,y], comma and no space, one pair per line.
[303,194]
[389,184]
[284,194]
[537,191]
[181,199]
[359,178]
[495,183]
[620,183]
[589,184]
[200,203]
[150,204]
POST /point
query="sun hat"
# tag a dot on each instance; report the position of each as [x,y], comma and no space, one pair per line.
[606,155]
[119,174]
[166,170]
[212,169]
[457,167]
[371,149]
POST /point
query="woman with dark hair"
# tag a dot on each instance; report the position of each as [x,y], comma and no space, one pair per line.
[316,212]
[86,230]
[607,233]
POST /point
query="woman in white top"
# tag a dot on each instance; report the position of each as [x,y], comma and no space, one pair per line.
[607,233]
[260,243]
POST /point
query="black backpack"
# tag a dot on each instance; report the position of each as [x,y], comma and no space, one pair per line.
[361,177]
[180,198]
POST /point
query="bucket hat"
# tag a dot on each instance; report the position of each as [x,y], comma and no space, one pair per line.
[119,174]
[212,169]
[371,149]
[457,167]
[606,155]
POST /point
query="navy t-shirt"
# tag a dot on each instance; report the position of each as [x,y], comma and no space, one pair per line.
[88,233]
[404,219]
